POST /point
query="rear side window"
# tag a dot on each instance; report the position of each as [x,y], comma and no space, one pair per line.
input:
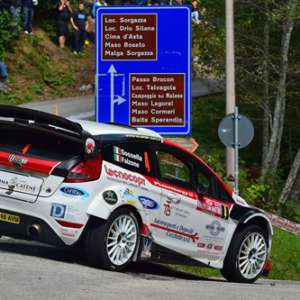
[130,155]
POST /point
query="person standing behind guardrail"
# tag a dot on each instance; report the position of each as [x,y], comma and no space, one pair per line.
[64,13]
[28,12]
[80,24]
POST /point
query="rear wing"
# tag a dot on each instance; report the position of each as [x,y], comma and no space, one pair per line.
[48,124]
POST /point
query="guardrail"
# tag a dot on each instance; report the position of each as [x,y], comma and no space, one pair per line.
[283,223]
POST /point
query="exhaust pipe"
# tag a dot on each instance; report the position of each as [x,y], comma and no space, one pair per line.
[34,230]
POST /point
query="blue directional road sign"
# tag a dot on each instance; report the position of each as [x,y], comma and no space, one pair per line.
[143,67]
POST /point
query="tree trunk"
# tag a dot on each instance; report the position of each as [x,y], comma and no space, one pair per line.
[267,117]
[295,193]
[270,163]
[290,180]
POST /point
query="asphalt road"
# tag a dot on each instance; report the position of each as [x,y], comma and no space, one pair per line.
[35,271]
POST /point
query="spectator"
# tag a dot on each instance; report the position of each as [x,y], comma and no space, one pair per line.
[3,77]
[196,15]
[64,11]
[28,11]
[80,24]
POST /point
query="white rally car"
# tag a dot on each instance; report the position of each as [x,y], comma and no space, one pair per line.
[125,194]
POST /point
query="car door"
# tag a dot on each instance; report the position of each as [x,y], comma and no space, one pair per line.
[194,218]
[212,214]
[174,227]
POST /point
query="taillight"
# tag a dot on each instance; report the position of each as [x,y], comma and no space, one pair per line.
[87,170]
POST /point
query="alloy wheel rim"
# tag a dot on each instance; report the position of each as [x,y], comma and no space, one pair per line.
[121,240]
[252,255]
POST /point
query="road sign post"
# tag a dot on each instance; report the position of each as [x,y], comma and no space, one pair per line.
[236,131]
[143,75]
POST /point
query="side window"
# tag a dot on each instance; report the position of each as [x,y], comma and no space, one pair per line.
[174,170]
[204,183]
[129,155]
[207,184]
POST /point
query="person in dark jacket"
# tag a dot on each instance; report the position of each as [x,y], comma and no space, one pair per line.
[64,13]
[79,22]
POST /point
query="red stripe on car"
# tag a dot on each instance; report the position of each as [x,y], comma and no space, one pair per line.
[29,163]
[69,224]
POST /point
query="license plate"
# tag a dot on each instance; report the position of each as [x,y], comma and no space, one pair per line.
[8,218]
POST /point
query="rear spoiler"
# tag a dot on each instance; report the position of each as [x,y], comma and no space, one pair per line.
[48,124]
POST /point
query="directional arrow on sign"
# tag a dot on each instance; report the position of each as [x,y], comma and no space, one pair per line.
[119,100]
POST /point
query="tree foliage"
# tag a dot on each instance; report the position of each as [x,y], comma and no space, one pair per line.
[9,30]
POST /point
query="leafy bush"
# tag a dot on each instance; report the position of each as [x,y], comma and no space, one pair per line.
[9,30]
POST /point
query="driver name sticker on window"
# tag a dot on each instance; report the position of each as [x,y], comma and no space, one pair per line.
[126,157]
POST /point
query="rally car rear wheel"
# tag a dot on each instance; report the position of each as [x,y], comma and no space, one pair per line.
[247,255]
[112,244]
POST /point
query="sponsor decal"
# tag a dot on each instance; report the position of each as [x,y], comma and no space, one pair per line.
[129,197]
[218,248]
[168,208]
[175,189]
[58,210]
[125,176]
[209,246]
[215,228]
[17,185]
[213,207]
[209,249]
[176,231]
[90,146]
[128,193]
[148,203]
[74,192]
[128,158]
[110,197]
[201,245]
[17,160]
[146,250]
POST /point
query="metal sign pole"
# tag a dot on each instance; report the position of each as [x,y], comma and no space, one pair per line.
[236,151]
[230,78]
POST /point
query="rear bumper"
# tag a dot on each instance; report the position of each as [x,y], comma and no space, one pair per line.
[54,226]
[30,228]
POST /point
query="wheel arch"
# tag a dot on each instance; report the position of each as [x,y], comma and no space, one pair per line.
[260,220]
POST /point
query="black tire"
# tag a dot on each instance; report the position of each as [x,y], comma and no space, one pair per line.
[231,270]
[97,238]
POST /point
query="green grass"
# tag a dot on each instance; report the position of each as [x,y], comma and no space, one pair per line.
[285,259]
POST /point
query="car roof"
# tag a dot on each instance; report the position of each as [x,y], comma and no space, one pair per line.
[95,128]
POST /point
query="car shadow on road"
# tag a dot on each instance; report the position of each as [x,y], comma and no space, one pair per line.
[145,270]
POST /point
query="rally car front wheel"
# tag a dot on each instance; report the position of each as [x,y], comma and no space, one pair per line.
[112,245]
[246,256]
